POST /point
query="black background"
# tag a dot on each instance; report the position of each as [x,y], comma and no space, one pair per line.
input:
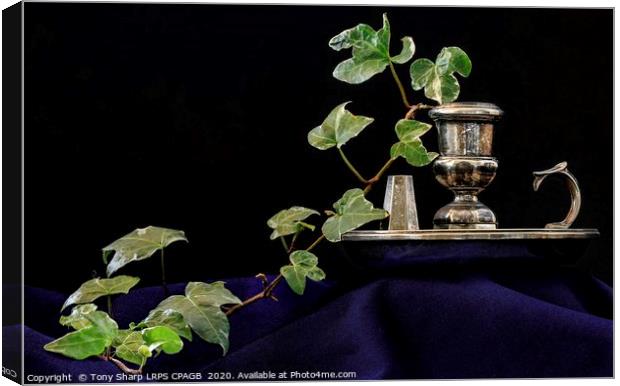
[195,117]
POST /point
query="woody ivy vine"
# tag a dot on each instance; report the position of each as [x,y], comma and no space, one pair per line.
[204,308]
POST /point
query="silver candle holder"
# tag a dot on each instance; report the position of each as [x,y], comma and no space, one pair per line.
[465,165]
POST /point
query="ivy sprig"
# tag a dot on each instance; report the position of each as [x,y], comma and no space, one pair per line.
[205,307]
[370,52]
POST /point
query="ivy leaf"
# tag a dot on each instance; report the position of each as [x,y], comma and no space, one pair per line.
[303,264]
[453,59]
[201,310]
[169,318]
[79,344]
[409,129]
[410,146]
[421,71]
[357,71]
[437,78]
[407,52]
[414,152]
[162,338]
[127,346]
[106,326]
[370,52]
[338,128]
[139,245]
[88,341]
[96,288]
[443,88]
[290,221]
[352,211]
[77,319]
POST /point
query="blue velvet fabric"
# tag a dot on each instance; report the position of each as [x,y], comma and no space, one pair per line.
[478,321]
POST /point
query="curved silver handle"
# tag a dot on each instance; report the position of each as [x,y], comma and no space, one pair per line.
[573,187]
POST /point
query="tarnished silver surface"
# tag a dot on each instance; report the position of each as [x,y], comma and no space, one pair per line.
[472,234]
[476,111]
[399,201]
[465,174]
[573,187]
[465,166]
[465,128]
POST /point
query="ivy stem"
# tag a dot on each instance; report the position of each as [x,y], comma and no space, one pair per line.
[415,108]
[284,244]
[351,167]
[163,273]
[403,94]
[267,292]
[291,248]
[315,243]
[110,306]
[378,176]
[123,367]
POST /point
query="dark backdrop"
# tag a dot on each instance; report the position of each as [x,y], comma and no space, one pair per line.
[195,117]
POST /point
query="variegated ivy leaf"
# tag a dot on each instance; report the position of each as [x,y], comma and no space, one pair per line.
[438,78]
[137,346]
[290,221]
[303,265]
[410,146]
[77,319]
[139,245]
[370,52]
[169,318]
[162,338]
[88,341]
[338,128]
[96,288]
[352,211]
[201,309]
[127,346]
[453,59]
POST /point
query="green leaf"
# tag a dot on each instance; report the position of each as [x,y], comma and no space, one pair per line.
[169,318]
[80,344]
[353,37]
[421,71]
[88,341]
[414,152]
[437,78]
[352,211]
[201,310]
[139,245]
[443,89]
[316,274]
[409,129]
[106,326]
[96,288]
[410,146]
[370,52]
[290,221]
[338,128]
[145,351]
[77,319]
[303,264]
[127,347]
[407,52]
[355,72]
[164,338]
[453,59]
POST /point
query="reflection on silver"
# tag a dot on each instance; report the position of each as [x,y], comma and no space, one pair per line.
[573,187]
[465,166]
[472,234]
[399,201]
